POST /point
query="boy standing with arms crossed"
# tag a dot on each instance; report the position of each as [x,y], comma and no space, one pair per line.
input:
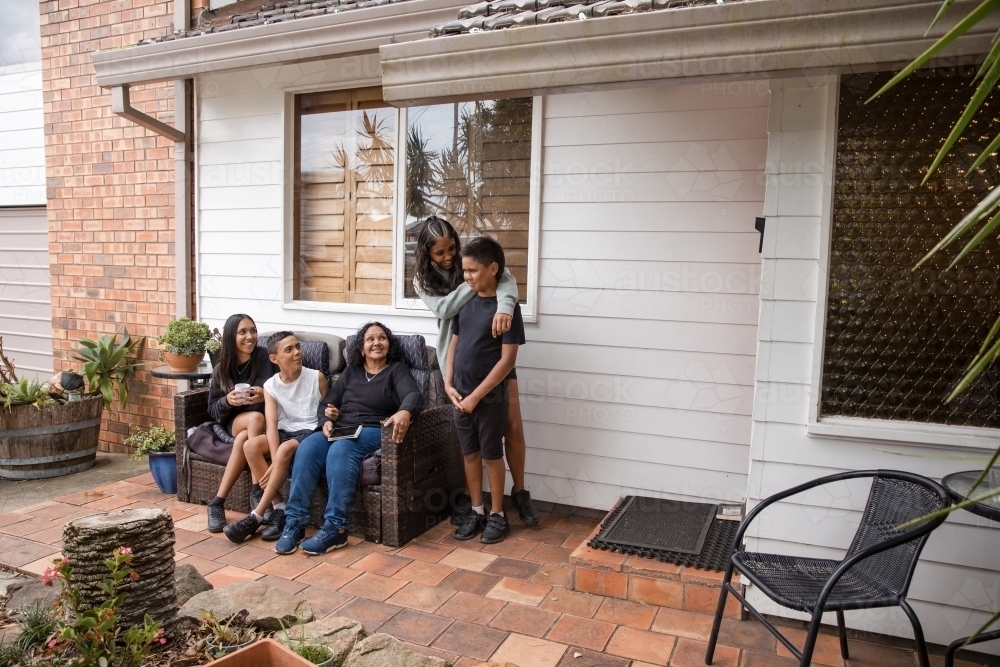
[476,382]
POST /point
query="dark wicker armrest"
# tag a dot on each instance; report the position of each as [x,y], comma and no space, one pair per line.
[190,409]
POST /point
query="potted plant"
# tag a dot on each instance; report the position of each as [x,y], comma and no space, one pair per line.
[158,444]
[44,435]
[224,636]
[184,344]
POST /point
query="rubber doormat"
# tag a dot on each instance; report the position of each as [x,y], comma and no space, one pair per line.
[670,531]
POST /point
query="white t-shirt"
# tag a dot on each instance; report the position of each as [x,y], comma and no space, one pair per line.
[297,401]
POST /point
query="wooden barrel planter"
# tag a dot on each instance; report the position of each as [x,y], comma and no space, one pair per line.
[51,440]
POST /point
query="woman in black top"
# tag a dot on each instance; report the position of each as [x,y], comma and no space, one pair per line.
[376,389]
[240,361]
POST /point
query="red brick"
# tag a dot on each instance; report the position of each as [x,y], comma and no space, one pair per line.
[599,582]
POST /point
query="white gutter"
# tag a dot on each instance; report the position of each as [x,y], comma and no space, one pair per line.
[754,38]
[333,35]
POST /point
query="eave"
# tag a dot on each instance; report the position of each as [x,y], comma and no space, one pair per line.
[750,39]
[330,36]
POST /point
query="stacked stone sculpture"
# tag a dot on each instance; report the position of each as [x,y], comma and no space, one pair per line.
[149,533]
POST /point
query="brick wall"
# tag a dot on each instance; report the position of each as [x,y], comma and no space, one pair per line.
[110,197]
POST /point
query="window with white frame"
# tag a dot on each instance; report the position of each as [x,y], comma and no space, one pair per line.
[466,162]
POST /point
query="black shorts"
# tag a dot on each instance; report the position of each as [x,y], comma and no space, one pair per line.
[284,436]
[482,431]
[512,375]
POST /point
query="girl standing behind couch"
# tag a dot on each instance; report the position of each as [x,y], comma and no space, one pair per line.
[240,361]
[439,284]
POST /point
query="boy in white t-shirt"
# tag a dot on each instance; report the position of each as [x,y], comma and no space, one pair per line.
[291,400]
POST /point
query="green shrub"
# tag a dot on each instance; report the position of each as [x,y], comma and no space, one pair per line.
[154,439]
[185,336]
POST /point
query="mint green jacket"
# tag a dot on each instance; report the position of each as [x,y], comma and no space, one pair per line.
[446,308]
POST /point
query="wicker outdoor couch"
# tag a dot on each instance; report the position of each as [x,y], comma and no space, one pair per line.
[420,477]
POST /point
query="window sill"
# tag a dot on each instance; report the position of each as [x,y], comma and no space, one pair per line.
[927,435]
[415,310]
[356,309]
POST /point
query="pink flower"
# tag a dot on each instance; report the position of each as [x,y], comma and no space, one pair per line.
[124,550]
[49,576]
[52,643]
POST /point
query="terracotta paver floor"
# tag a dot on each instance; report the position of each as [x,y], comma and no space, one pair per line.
[462,601]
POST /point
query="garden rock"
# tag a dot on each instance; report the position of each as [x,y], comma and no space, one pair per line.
[496,664]
[28,593]
[338,633]
[189,582]
[269,607]
[381,650]
[7,581]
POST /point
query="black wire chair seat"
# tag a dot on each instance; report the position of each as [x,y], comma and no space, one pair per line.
[797,583]
[875,572]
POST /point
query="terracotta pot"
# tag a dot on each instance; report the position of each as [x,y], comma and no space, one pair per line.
[183,363]
[265,652]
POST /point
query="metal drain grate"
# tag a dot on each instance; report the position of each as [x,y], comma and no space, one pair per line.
[713,551]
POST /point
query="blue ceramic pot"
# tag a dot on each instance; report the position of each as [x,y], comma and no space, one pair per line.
[163,465]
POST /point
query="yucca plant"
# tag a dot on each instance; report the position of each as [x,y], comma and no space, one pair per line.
[985,215]
[107,367]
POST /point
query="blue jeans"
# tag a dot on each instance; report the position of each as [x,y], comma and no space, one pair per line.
[340,461]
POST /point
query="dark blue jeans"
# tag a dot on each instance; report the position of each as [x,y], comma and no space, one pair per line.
[340,462]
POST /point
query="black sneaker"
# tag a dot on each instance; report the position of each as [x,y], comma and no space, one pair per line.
[242,529]
[216,518]
[463,507]
[256,493]
[473,524]
[525,510]
[275,528]
[496,529]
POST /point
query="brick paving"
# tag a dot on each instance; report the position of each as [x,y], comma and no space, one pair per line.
[462,601]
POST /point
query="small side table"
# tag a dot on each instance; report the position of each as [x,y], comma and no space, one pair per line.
[959,485]
[197,378]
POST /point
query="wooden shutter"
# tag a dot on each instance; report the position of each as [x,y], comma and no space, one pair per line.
[345,197]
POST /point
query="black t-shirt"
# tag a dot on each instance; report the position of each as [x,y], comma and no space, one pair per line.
[219,408]
[367,402]
[478,351]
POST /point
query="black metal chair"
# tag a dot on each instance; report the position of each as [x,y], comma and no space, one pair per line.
[876,571]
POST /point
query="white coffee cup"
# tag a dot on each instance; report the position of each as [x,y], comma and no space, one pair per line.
[243,389]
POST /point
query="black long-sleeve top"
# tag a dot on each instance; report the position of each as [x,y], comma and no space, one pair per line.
[364,402]
[219,408]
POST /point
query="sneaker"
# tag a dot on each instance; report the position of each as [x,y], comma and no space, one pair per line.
[463,506]
[242,529]
[324,540]
[256,494]
[275,528]
[290,539]
[473,524]
[525,510]
[496,529]
[216,518]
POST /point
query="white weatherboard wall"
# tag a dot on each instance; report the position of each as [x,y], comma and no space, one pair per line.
[22,138]
[638,375]
[956,581]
